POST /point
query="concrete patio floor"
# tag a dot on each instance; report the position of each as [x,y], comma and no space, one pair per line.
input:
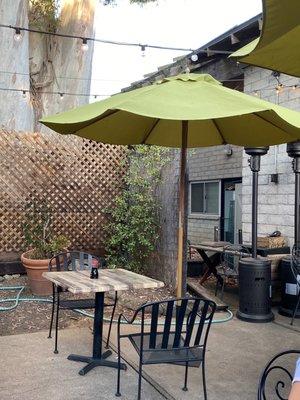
[237,352]
[30,370]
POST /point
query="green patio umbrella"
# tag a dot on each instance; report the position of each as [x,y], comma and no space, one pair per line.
[189,110]
[278,46]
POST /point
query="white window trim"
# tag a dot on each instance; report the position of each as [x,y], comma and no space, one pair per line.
[204,215]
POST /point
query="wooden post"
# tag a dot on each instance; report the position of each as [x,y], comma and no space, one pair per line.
[182,195]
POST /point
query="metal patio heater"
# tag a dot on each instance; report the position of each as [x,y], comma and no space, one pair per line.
[288,272]
[255,273]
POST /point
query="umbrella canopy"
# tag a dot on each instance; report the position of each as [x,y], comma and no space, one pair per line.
[278,46]
[187,110]
[153,115]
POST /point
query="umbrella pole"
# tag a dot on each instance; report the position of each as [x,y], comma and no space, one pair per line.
[182,195]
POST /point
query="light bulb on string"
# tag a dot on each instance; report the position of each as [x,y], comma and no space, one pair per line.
[279,88]
[294,87]
[84,46]
[61,96]
[143,50]
[24,94]
[17,35]
[256,93]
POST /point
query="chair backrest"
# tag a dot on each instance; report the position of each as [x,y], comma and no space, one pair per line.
[185,323]
[232,254]
[276,379]
[73,261]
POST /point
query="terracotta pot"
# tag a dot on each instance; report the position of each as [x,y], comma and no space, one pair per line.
[35,268]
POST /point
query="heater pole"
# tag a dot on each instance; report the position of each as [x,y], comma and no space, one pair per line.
[255,154]
[293,150]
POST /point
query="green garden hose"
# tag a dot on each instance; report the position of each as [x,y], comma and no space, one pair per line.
[17,300]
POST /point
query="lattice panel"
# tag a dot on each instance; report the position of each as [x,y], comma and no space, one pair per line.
[78,179]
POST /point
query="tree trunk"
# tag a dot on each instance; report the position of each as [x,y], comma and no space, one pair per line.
[15,111]
[57,63]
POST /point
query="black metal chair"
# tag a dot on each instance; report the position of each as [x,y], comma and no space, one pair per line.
[72,261]
[295,267]
[229,267]
[183,342]
[277,386]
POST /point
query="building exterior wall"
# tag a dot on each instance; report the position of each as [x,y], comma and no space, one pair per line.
[210,163]
[276,201]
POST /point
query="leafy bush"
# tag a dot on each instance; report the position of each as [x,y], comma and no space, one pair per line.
[38,235]
[43,14]
[133,227]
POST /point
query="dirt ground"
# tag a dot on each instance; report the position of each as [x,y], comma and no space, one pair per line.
[35,316]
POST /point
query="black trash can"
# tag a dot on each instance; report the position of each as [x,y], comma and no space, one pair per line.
[289,288]
[255,290]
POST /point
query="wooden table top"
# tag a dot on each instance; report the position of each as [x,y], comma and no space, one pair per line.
[217,247]
[109,280]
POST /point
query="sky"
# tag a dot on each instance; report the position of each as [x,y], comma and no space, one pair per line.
[171,23]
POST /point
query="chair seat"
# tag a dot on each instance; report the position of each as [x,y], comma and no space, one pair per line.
[169,355]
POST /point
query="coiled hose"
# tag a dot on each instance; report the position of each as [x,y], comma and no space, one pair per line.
[18,299]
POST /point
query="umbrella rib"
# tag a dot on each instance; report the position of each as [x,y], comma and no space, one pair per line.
[265,120]
[150,131]
[219,131]
[101,117]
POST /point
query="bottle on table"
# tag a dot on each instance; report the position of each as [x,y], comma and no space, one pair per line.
[94,270]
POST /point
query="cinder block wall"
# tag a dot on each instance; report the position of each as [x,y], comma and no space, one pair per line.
[276,201]
[210,163]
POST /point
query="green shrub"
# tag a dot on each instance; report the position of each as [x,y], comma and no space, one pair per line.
[133,227]
[38,235]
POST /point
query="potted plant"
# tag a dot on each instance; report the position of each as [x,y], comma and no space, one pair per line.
[41,245]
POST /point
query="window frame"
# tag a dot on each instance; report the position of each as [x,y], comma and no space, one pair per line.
[205,214]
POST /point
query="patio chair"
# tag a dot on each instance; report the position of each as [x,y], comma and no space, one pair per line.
[295,267]
[72,261]
[182,342]
[276,379]
[230,264]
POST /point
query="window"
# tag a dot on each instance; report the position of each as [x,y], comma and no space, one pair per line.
[204,198]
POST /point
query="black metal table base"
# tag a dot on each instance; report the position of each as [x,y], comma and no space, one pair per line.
[93,362]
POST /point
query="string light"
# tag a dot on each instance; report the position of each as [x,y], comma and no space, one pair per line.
[61,94]
[143,50]
[19,29]
[279,88]
[24,94]
[84,46]
[68,77]
[256,93]
[17,35]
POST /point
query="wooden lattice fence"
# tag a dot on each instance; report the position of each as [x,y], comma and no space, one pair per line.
[76,178]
